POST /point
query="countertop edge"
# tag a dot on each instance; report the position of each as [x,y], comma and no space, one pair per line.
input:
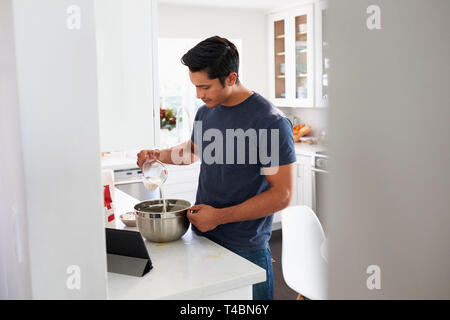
[218,287]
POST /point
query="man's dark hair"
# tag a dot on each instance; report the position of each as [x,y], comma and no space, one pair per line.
[217,56]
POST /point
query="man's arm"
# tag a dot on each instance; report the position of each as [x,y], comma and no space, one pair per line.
[182,154]
[276,198]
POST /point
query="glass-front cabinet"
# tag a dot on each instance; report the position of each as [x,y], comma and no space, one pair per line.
[280,59]
[291,52]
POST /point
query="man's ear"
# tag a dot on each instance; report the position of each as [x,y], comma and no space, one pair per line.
[231,79]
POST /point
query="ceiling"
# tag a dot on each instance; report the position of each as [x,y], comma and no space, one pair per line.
[266,5]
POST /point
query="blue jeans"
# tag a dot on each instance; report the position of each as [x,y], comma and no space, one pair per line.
[262,258]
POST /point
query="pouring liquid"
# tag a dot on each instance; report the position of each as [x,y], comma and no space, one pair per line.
[155,174]
[163,198]
[152,184]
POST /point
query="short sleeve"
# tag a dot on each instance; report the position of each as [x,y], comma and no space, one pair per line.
[276,148]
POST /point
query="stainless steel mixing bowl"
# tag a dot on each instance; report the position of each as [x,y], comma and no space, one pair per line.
[159,225]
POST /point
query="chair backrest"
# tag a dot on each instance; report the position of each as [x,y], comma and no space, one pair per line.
[304,268]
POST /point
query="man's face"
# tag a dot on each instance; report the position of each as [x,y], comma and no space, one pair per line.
[210,90]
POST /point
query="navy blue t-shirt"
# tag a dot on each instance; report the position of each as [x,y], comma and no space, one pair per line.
[235,143]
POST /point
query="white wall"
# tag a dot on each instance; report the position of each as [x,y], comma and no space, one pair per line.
[389,125]
[15,282]
[178,21]
[55,180]
[317,118]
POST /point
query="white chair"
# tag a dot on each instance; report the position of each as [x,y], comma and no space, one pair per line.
[304,267]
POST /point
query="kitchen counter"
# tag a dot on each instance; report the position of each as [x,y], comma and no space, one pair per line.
[193,267]
[127,160]
[120,160]
[308,149]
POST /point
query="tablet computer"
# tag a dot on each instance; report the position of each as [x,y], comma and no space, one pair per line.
[126,252]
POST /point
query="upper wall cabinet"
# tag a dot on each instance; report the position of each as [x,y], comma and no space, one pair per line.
[291,57]
[126,72]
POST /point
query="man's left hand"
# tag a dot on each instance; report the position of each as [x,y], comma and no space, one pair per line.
[204,217]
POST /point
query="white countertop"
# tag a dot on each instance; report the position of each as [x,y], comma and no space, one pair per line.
[127,160]
[119,161]
[308,149]
[190,268]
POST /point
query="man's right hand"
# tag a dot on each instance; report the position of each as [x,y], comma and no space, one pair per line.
[147,154]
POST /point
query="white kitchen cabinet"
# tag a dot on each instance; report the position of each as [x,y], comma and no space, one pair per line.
[321,50]
[302,187]
[276,224]
[126,73]
[304,180]
[299,179]
[291,57]
[182,182]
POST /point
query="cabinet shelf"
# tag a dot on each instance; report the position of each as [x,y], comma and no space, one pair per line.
[302,75]
[281,76]
[302,33]
[281,36]
[280,53]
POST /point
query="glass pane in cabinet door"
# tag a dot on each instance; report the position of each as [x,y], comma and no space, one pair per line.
[301,49]
[280,79]
[325,57]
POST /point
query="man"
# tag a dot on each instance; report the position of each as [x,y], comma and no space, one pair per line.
[239,189]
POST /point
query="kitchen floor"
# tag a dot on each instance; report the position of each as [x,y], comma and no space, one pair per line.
[281,291]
